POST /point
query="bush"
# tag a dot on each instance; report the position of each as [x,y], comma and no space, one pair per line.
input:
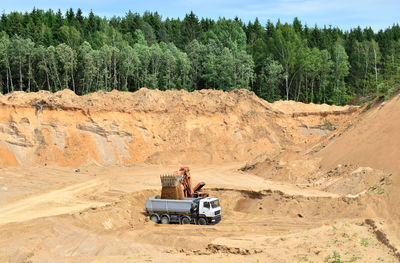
[391,92]
[383,88]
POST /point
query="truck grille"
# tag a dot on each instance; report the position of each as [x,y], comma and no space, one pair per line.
[217,212]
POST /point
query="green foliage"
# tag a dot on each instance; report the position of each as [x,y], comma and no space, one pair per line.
[288,47]
[379,190]
[327,125]
[392,91]
[364,242]
[52,51]
[387,181]
[334,258]
[270,76]
[337,258]
[340,71]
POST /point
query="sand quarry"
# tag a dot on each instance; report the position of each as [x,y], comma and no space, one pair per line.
[297,182]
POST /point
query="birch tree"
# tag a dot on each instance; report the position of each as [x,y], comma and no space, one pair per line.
[67,59]
[287,45]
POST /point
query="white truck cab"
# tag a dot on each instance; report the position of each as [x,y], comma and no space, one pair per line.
[210,208]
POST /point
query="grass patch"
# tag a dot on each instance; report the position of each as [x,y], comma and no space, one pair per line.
[379,190]
[364,242]
[327,125]
[334,258]
[388,181]
[368,105]
[337,258]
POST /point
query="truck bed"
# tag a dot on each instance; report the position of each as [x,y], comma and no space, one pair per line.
[154,205]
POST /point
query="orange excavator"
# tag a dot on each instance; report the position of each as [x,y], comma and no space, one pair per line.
[186,180]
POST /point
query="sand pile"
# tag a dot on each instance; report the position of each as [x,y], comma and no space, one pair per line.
[152,126]
[292,107]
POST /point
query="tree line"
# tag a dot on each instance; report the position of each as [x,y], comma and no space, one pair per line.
[47,50]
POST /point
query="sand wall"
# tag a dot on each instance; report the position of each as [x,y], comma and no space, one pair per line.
[151,126]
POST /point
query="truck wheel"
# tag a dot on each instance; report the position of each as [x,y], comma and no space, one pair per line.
[164,220]
[185,221]
[154,218]
[202,221]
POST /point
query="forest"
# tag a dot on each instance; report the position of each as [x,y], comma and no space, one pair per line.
[51,50]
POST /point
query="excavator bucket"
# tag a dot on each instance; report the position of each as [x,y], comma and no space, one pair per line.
[169,180]
[171,187]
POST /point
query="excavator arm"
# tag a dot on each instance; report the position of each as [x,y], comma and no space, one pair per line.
[186,181]
[198,187]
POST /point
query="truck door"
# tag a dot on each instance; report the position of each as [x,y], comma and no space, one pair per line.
[207,209]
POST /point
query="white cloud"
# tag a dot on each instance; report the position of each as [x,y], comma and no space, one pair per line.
[308,7]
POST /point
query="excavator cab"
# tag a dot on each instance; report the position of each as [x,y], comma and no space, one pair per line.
[196,190]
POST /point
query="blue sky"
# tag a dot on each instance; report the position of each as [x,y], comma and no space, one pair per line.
[343,13]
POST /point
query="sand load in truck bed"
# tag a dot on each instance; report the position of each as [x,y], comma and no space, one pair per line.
[171,187]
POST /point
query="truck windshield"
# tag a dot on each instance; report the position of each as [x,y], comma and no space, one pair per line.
[215,204]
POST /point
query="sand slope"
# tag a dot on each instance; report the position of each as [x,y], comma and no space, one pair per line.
[374,141]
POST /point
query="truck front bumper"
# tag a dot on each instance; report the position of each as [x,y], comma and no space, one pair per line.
[215,220]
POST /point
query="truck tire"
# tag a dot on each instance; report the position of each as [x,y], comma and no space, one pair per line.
[185,221]
[154,218]
[202,221]
[164,220]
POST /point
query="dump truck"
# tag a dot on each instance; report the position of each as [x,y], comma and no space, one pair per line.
[181,203]
[198,210]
